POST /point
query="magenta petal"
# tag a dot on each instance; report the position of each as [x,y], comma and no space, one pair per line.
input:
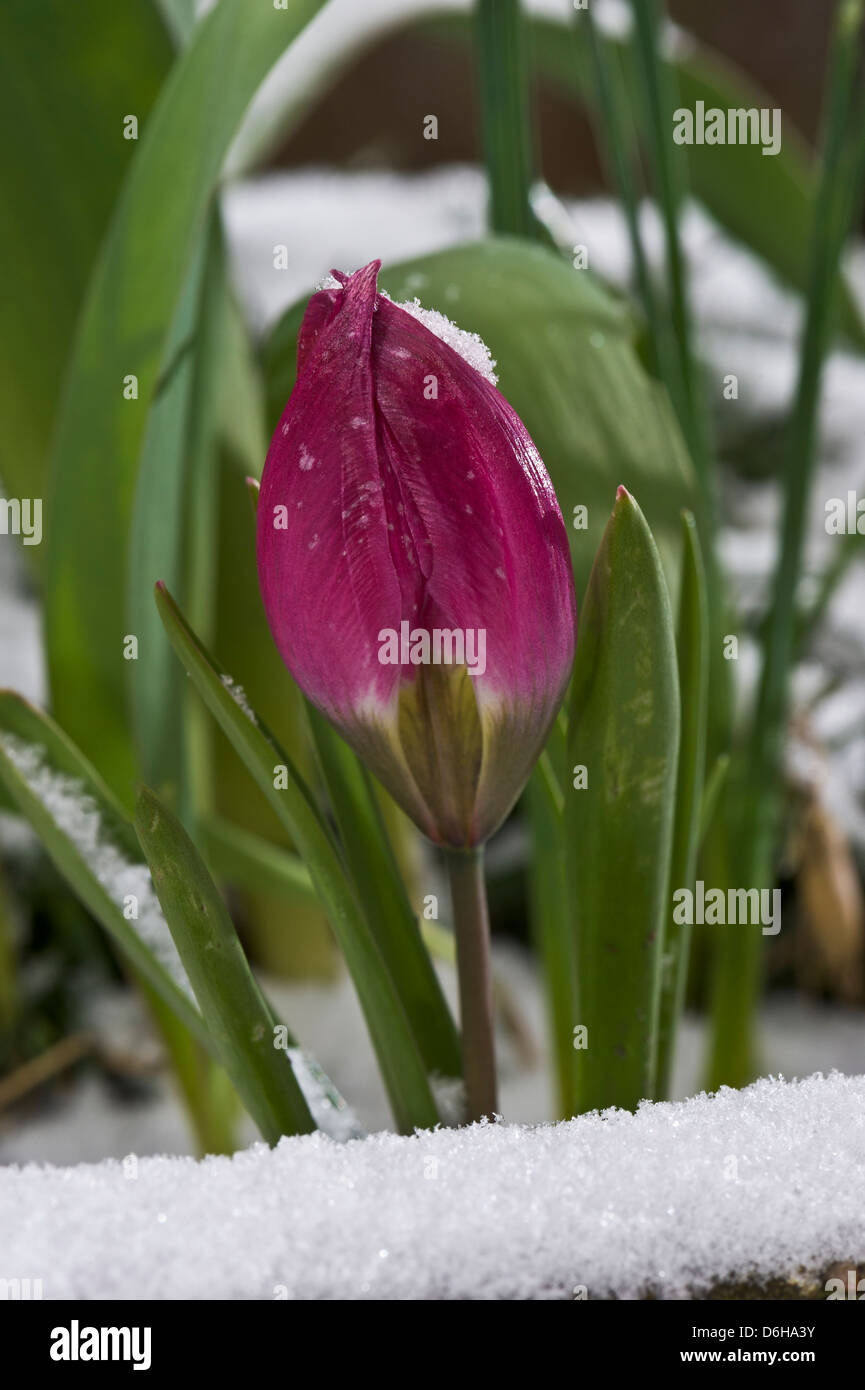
[400,487]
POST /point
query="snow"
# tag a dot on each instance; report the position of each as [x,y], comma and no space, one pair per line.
[755,1184]
[238,695]
[470,346]
[78,817]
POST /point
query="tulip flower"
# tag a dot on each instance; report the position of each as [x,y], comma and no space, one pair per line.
[413,561]
[406,519]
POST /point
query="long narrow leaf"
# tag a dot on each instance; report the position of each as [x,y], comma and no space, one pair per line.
[693,662]
[403,1071]
[552,928]
[69,75]
[239,1020]
[623,728]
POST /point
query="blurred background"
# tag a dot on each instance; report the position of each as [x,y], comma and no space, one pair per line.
[330,168]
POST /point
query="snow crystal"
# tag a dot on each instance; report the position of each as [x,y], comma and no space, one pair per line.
[238,695]
[470,346]
[78,816]
[754,1184]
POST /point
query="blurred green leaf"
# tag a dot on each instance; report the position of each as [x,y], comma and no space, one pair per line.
[712,794]
[69,74]
[692,647]
[179,16]
[249,861]
[131,303]
[399,1060]
[239,1019]
[567,364]
[623,727]
[157,536]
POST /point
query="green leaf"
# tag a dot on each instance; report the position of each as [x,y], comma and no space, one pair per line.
[502,60]
[249,861]
[179,16]
[712,795]
[623,727]
[402,1070]
[693,665]
[211,1101]
[131,303]
[567,364]
[371,862]
[551,916]
[68,76]
[239,1019]
[156,542]
[93,845]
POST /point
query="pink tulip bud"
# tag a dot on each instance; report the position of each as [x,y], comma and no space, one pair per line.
[413,560]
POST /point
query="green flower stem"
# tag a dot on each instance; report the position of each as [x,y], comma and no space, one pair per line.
[472,930]
[503,79]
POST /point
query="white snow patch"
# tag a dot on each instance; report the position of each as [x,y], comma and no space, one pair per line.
[238,695]
[78,817]
[470,346]
[761,1183]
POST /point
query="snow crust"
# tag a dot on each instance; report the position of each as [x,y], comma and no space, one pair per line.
[760,1183]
